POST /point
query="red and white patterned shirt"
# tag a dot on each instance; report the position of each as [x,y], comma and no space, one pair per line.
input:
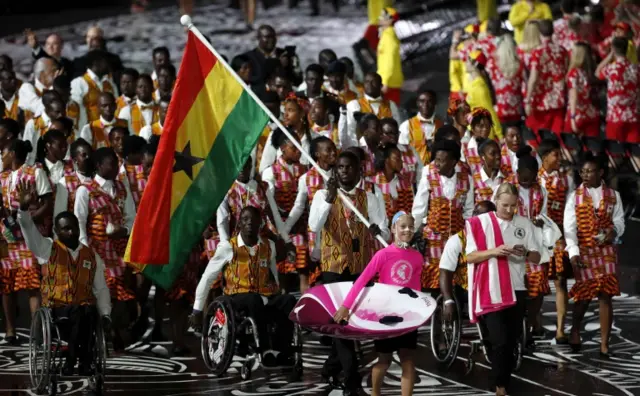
[563,35]
[550,60]
[488,47]
[466,49]
[508,91]
[585,110]
[622,90]
[525,57]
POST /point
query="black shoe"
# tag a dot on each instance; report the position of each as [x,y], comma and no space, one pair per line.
[157,335]
[84,370]
[269,359]
[139,328]
[575,348]
[354,392]
[562,340]
[118,344]
[332,380]
[326,341]
[181,351]
[531,344]
[68,370]
[242,350]
[606,355]
[285,360]
[539,334]
[12,340]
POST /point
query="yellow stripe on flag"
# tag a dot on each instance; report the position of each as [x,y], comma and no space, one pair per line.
[201,126]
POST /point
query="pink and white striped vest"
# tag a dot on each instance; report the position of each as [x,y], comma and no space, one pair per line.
[490,286]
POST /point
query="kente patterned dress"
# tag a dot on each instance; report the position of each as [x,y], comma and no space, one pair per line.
[471,155]
[558,187]
[444,218]
[20,271]
[410,166]
[537,278]
[286,190]
[314,182]
[600,274]
[402,200]
[482,191]
[103,209]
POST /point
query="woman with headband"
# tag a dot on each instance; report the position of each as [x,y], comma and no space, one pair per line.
[400,265]
[458,111]
[498,246]
[396,190]
[481,125]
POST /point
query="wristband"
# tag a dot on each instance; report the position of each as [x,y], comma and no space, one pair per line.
[449,302]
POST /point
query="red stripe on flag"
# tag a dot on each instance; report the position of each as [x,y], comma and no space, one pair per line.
[149,242]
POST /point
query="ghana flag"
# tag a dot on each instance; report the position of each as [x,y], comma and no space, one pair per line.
[211,127]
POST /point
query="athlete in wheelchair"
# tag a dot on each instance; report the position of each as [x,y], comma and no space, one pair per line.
[69,328]
[242,320]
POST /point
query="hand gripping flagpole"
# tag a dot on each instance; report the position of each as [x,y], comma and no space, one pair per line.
[186,21]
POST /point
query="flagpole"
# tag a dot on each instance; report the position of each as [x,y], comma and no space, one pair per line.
[186,21]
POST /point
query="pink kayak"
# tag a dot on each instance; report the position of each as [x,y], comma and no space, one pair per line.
[381,311]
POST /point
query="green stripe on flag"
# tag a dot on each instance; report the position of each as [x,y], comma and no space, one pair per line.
[233,146]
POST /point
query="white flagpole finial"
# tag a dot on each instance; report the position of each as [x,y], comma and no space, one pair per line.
[185,20]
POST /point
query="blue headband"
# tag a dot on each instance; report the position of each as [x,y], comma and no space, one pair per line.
[397,216]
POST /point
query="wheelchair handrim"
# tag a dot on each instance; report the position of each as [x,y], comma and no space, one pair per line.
[454,344]
[229,346]
[40,378]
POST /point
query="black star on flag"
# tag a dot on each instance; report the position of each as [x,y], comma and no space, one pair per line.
[185,162]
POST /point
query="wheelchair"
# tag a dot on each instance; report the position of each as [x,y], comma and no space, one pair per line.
[46,353]
[448,333]
[228,332]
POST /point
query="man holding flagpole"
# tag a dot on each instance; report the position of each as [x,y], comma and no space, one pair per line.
[341,261]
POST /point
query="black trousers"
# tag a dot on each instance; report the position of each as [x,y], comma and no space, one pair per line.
[343,352]
[504,327]
[276,310]
[76,324]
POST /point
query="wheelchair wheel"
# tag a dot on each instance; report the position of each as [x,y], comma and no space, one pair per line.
[218,337]
[40,350]
[520,346]
[445,334]
[100,358]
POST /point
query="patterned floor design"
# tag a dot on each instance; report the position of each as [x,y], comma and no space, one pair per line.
[550,370]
